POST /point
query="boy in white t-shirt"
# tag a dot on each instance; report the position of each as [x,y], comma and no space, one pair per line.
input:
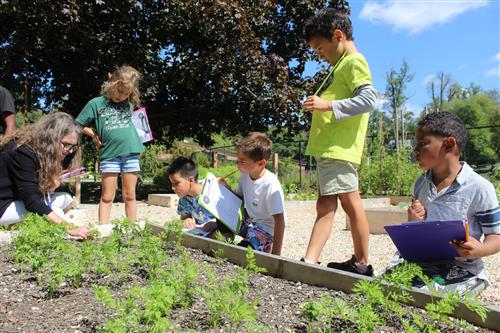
[262,195]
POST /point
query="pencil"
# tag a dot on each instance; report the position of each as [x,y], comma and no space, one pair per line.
[466,231]
[228,175]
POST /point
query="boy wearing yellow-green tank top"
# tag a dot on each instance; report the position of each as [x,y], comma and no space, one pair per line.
[340,112]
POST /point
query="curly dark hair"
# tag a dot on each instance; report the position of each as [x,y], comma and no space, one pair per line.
[445,124]
[324,23]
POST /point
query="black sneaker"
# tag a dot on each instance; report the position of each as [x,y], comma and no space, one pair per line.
[350,266]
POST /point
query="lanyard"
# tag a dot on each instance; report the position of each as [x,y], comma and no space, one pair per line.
[48,200]
[327,78]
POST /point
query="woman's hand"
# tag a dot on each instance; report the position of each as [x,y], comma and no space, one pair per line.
[79,232]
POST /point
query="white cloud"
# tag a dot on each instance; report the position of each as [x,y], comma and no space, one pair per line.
[495,71]
[429,79]
[381,102]
[413,108]
[462,66]
[416,16]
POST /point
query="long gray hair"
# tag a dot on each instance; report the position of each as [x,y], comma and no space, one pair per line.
[44,138]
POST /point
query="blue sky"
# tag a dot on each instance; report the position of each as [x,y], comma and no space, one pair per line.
[461,38]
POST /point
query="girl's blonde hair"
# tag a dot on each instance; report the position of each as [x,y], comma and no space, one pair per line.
[127,77]
[44,139]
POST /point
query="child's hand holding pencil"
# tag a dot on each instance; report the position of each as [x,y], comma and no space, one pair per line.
[223,181]
[416,211]
[469,249]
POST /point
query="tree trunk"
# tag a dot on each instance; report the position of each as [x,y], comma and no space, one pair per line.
[26,95]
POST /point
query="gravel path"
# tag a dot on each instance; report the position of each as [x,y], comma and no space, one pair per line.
[300,219]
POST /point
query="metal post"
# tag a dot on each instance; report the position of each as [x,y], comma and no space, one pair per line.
[275,164]
[78,193]
[300,163]
[214,159]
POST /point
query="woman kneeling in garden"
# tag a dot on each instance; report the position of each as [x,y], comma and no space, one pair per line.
[32,160]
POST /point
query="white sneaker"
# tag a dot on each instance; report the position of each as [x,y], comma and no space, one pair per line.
[7,236]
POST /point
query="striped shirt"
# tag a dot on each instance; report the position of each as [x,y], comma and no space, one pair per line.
[470,197]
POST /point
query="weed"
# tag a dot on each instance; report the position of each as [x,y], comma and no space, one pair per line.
[37,238]
[218,253]
[379,302]
[173,231]
[252,263]
[93,232]
[226,302]
[219,236]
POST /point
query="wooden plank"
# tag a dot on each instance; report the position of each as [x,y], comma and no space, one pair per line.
[78,192]
[166,200]
[380,216]
[294,270]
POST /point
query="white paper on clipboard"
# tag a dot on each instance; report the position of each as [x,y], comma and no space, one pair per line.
[226,206]
[141,124]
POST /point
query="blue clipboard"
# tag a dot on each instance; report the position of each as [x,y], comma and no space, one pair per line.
[426,241]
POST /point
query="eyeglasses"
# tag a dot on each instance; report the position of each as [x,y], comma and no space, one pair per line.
[240,162]
[70,147]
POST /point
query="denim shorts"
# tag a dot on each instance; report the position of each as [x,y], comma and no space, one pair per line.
[120,164]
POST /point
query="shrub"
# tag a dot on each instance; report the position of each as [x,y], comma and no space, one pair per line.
[293,183]
[150,166]
[201,160]
[222,171]
[379,176]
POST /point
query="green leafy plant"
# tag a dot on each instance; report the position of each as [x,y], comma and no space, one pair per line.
[150,165]
[252,263]
[147,309]
[227,304]
[379,302]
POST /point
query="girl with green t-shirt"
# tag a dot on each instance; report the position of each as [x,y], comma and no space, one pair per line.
[116,138]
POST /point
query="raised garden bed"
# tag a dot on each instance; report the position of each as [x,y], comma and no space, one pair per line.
[150,284]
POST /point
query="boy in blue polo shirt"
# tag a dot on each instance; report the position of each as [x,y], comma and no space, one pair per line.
[450,190]
[183,176]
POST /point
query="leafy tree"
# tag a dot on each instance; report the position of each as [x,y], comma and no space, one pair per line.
[395,94]
[477,111]
[286,143]
[439,88]
[208,66]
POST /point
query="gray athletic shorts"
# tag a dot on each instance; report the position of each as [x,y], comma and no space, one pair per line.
[336,176]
